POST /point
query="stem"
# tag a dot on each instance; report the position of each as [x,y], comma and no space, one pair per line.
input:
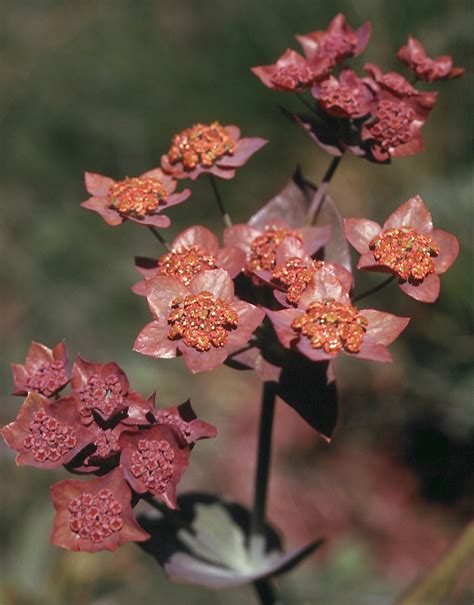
[305,102]
[320,196]
[374,289]
[257,521]
[220,203]
[159,237]
[266,592]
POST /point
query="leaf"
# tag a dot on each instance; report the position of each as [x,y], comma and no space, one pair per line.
[206,543]
[305,386]
[436,586]
[337,248]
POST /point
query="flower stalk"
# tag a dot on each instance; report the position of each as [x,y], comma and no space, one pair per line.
[220,203]
[322,190]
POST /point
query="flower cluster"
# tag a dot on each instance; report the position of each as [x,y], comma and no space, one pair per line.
[378,116]
[104,428]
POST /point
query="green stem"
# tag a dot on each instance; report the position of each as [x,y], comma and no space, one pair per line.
[320,195]
[159,237]
[225,215]
[374,289]
[266,593]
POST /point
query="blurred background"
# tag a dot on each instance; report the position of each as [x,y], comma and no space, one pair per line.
[102,86]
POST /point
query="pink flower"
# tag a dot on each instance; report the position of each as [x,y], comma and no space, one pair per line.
[139,199]
[326,324]
[337,42]
[407,246]
[209,148]
[185,420]
[346,97]
[46,434]
[292,72]
[414,56]
[45,371]
[194,250]
[260,243]
[94,515]
[154,460]
[198,321]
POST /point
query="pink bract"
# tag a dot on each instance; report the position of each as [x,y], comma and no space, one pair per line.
[155,340]
[194,250]
[46,434]
[414,56]
[413,215]
[185,420]
[101,188]
[112,522]
[154,460]
[45,370]
[337,42]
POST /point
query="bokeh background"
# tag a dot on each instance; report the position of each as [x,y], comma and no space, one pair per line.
[102,86]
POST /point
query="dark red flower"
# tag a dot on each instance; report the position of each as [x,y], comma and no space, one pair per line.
[326,324]
[94,515]
[105,442]
[294,272]
[337,42]
[139,199]
[407,246]
[194,250]
[45,370]
[99,388]
[46,434]
[209,148]
[198,321]
[346,97]
[185,420]
[260,243]
[154,460]
[414,56]
[292,72]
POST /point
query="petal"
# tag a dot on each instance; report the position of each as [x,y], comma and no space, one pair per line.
[264,73]
[362,34]
[203,361]
[383,328]
[314,238]
[218,282]
[153,341]
[323,286]
[197,236]
[281,321]
[177,198]
[413,213]
[99,205]
[139,288]
[250,317]
[234,131]
[223,173]
[152,220]
[360,232]
[448,249]
[38,354]
[161,290]
[427,291]
[244,149]
[290,247]
[368,262]
[240,236]
[231,259]
[20,378]
[373,352]
[97,184]
[307,350]
[414,146]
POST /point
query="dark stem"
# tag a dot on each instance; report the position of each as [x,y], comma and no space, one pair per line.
[320,196]
[305,103]
[159,237]
[266,592]
[220,203]
[374,289]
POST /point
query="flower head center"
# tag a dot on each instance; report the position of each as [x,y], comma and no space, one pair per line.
[406,252]
[397,84]
[293,77]
[185,262]
[164,417]
[264,247]
[295,275]
[152,463]
[203,144]
[336,46]
[392,126]
[95,516]
[48,439]
[48,378]
[332,326]
[107,443]
[105,395]
[341,99]
[137,197]
[201,321]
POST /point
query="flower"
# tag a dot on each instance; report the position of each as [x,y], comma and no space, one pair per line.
[209,148]
[346,97]
[185,420]
[260,243]
[139,199]
[294,272]
[292,72]
[194,250]
[154,460]
[413,55]
[198,321]
[326,324]
[337,42]
[45,370]
[94,515]
[99,388]
[46,434]
[407,246]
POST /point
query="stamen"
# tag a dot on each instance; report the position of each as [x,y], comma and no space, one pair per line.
[102,394]
[295,275]
[48,439]
[95,517]
[48,378]
[152,463]
[293,77]
[137,197]
[185,262]
[264,247]
[203,144]
[393,124]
